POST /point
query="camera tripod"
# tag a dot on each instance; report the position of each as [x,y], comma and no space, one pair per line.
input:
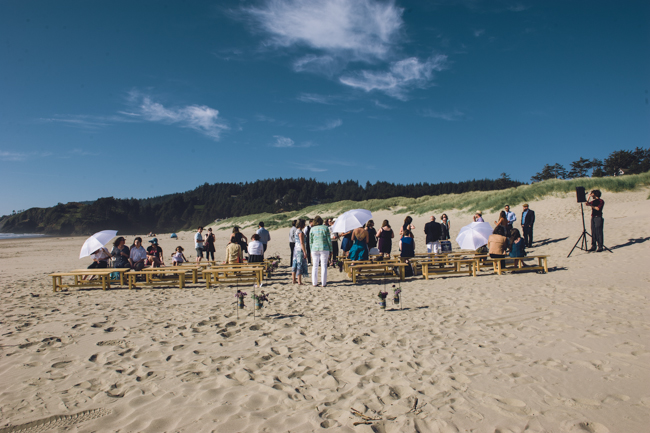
[582,240]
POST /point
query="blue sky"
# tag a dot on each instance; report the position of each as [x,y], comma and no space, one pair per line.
[137,99]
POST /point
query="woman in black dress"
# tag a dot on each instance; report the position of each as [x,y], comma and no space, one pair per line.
[372,234]
[385,237]
[208,245]
[239,238]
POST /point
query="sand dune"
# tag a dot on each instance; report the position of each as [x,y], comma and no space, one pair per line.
[567,351]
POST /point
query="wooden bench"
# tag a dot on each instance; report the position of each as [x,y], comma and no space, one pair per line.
[224,274]
[542,264]
[103,281]
[157,277]
[450,267]
[375,270]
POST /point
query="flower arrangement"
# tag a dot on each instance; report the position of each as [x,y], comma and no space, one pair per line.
[382,299]
[260,299]
[240,298]
[396,292]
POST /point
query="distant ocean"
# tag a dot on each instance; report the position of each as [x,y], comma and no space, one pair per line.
[19,235]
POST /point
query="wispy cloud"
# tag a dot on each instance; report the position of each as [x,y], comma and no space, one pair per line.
[479,32]
[286,142]
[450,116]
[316,99]
[358,30]
[330,124]
[518,8]
[86,121]
[22,156]
[308,167]
[200,118]
[402,76]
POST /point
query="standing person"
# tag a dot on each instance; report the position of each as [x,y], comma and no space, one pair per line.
[155,254]
[596,203]
[372,234]
[137,255]
[299,263]
[264,235]
[527,221]
[320,243]
[407,226]
[208,245]
[239,238]
[121,253]
[307,231]
[346,243]
[503,221]
[433,232]
[359,249]
[445,227]
[198,244]
[292,238]
[511,217]
[335,243]
[255,249]
[385,238]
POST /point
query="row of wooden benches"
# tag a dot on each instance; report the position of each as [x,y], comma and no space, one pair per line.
[165,276]
[447,264]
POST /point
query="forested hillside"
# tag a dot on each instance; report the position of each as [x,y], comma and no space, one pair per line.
[216,201]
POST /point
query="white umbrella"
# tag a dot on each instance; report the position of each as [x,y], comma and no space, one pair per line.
[351,220]
[474,235]
[96,241]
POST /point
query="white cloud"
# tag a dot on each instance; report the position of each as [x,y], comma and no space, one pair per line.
[479,32]
[330,124]
[308,167]
[315,98]
[402,76]
[201,118]
[450,116]
[21,156]
[326,65]
[359,30]
[286,142]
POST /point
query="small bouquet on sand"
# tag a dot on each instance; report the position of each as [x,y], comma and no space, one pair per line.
[260,299]
[382,299]
[396,292]
[240,298]
[275,258]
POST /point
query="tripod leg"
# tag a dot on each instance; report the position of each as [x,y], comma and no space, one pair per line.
[581,238]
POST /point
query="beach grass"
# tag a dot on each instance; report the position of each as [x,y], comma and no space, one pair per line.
[469,201]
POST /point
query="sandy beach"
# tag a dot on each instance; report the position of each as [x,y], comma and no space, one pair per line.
[566,351]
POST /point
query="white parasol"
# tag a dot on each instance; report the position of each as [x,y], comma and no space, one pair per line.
[351,220]
[96,241]
[474,235]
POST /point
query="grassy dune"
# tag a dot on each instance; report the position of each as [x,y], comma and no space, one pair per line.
[470,202]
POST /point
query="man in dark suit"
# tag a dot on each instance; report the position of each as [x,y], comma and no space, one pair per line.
[527,221]
[433,231]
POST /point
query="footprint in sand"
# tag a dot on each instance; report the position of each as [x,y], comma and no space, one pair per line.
[61,364]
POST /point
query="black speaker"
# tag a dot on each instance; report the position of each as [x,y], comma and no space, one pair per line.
[580,194]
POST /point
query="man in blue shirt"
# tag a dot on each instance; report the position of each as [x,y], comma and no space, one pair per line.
[511,217]
[265,236]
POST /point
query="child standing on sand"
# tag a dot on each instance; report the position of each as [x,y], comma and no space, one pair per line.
[178,257]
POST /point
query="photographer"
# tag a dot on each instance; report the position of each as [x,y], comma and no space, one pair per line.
[596,203]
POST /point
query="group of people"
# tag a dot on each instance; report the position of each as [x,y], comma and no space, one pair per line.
[133,257]
[237,245]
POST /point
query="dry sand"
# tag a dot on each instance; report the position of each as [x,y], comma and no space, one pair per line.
[561,352]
